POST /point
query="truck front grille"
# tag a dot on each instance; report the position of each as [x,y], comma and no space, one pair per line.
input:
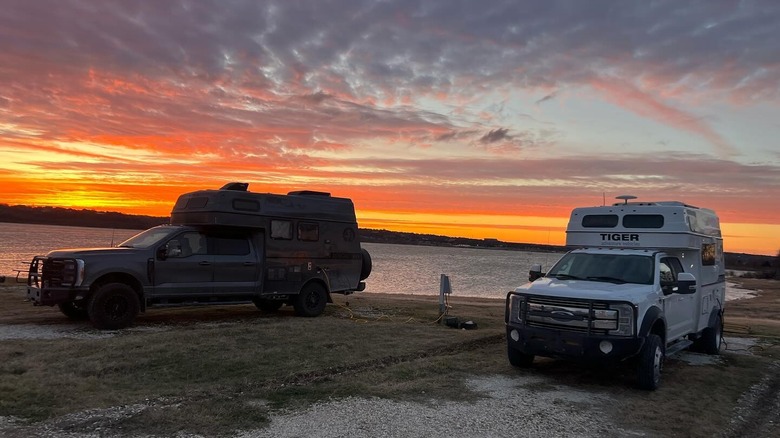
[583,316]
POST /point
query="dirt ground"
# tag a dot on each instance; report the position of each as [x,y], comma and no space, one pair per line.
[549,398]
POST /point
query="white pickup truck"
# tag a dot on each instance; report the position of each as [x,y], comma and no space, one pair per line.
[645,280]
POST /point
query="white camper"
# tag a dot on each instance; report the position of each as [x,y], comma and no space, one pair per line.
[645,280]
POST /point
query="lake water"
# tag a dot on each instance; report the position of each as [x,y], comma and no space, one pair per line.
[406,269]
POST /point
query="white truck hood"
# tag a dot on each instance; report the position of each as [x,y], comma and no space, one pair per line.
[595,290]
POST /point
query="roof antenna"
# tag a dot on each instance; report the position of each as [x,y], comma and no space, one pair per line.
[625,198]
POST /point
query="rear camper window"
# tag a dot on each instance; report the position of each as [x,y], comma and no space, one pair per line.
[600,221]
[281,230]
[308,232]
[643,221]
[246,205]
[197,202]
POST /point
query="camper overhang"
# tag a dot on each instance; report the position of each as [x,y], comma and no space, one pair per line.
[643,225]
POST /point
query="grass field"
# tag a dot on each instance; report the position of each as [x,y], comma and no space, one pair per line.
[219,370]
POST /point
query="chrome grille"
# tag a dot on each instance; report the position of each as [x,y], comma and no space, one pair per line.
[568,314]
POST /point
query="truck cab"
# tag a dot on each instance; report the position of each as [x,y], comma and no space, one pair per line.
[643,281]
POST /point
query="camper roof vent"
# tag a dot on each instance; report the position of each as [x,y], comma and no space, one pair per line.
[238,186]
[309,193]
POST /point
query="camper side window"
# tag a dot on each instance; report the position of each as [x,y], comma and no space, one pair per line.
[708,254]
[281,230]
[308,232]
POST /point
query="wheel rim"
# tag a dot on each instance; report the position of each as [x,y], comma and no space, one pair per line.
[116,307]
[313,300]
[657,364]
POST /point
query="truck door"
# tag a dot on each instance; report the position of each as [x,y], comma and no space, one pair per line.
[236,259]
[183,266]
[679,309]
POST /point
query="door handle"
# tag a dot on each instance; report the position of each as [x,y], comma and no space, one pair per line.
[204,263]
[249,264]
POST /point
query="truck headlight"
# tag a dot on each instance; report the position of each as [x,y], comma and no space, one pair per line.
[625,320]
[515,308]
[73,273]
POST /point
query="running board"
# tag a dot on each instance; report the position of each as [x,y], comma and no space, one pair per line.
[678,346]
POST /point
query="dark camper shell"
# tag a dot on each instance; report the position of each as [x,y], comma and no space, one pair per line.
[306,235]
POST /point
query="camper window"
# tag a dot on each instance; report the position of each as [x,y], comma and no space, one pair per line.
[643,221]
[308,232]
[246,205]
[197,202]
[708,254]
[281,230]
[600,221]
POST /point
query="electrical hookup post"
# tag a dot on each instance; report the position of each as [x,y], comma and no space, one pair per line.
[444,290]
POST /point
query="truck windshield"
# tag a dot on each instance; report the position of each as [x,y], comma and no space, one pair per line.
[148,238]
[612,268]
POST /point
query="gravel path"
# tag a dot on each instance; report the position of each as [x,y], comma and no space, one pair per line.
[511,407]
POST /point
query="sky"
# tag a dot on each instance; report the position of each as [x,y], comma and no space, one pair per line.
[486,119]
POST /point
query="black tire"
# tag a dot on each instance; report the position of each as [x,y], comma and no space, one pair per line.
[311,301]
[712,337]
[75,310]
[268,306]
[366,265]
[113,306]
[651,363]
[519,359]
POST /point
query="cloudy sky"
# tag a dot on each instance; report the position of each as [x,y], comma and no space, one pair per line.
[466,118]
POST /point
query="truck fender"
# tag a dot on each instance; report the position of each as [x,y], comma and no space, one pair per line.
[714,314]
[652,315]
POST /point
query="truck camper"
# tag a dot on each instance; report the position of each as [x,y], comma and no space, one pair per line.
[644,280]
[223,246]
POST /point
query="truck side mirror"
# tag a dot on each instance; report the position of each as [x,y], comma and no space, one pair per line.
[535,272]
[162,252]
[686,283]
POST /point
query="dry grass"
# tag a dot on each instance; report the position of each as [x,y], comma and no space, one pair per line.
[214,370]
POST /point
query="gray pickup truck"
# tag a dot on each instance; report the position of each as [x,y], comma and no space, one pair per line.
[223,246]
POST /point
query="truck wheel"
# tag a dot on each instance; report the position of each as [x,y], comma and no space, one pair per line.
[519,359]
[311,301]
[75,310]
[268,306]
[651,363]
[113,306]
[712,337]
[366,265]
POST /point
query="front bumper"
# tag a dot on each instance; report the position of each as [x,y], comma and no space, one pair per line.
[571,345]
[54,296]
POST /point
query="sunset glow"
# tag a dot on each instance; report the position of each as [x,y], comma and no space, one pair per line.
[475,119]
